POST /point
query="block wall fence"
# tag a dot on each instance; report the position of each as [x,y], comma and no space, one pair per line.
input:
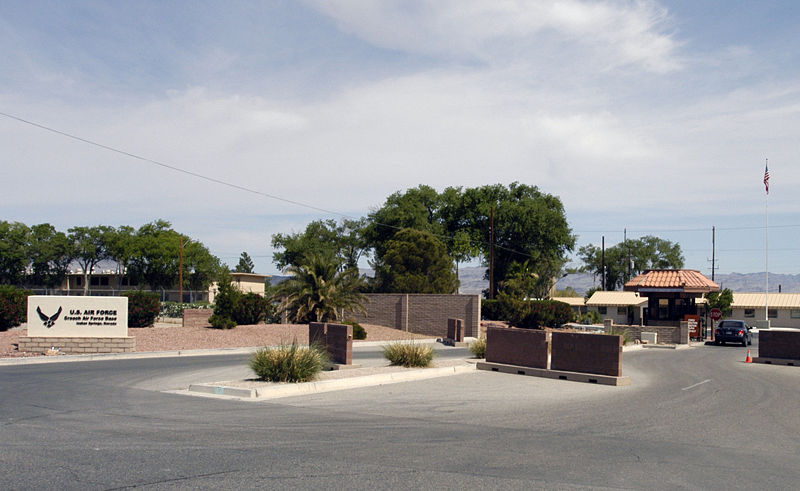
[422,313]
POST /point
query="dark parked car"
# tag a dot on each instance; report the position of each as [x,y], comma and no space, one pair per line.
[733,331]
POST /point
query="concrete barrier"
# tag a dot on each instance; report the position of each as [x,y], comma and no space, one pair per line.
[587,353]
[512,346]
[336,338]
[779,347]
[455,330]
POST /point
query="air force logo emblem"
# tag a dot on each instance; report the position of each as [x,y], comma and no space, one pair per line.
[48,321]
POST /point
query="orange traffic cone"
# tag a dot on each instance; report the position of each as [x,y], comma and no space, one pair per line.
[749,358]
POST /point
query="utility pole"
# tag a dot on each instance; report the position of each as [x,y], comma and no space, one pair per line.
[628,247]
[491,254]
[603,284]
[180,273]
[713,251]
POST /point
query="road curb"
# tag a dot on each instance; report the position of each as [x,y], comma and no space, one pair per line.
[287,390]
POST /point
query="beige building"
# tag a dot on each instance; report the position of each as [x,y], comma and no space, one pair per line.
[578,304]
[245,283]
[784,308]
[621,307]
[111,283]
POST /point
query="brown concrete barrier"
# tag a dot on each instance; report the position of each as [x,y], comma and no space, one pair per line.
[779,344]
[586,353]
[455,330]
[336,338]
[512,346]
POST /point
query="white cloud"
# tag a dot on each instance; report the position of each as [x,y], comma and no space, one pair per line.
[601,34]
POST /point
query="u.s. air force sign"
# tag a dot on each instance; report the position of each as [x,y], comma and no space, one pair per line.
[62,316]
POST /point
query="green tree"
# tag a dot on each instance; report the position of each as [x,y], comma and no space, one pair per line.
[636,256]
[90,247]
[200,267]
[225,302]
[523,282]
[721,300]
[529,226]
[417,208]
[13,252]
[319,291]
[415,262]
[342,241]
[50,253]
[122,246]
[156,258]
[245,264]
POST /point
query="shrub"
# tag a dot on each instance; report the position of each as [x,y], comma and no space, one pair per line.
[250,308]
[358,331]
[590,317]
[478,348]
[13,306]
[221,322]
[409,354]
[225,304]
[616,331]
[143,308]
[490,310]
[537,314]
[288,363]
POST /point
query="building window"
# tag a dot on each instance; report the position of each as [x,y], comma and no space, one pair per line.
[795,314]
[104,281]
[78,281]
[622,310]
[95,281]
[750,313]
[603,310]
[773,313]
[663,308]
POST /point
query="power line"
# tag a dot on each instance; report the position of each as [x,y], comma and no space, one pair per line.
[225,183]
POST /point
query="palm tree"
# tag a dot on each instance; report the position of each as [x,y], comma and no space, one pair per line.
[319,291]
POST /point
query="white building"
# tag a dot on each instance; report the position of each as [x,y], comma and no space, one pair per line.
[784,308]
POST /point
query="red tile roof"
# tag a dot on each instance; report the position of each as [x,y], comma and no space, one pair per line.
[688,280]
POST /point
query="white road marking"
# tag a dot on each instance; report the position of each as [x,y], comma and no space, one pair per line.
[698,383]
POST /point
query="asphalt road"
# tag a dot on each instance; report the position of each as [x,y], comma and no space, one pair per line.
[697,418]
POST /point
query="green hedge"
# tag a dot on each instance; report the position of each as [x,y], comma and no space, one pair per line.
[13,306]
[491,310]
[543,313]
[534,314]
[143,308]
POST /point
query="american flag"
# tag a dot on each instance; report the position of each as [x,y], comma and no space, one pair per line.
[766,178]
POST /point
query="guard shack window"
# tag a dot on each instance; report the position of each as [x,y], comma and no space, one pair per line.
[663,308]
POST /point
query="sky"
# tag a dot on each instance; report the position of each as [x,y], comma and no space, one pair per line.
[643,117]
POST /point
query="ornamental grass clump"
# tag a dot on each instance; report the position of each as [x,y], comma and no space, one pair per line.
[289,363]
[409,354]
[616,331]
[478,348]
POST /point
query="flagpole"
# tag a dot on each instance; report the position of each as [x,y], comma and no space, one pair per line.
[766,242]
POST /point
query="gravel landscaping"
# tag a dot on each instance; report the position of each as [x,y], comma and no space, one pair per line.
[170,337]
